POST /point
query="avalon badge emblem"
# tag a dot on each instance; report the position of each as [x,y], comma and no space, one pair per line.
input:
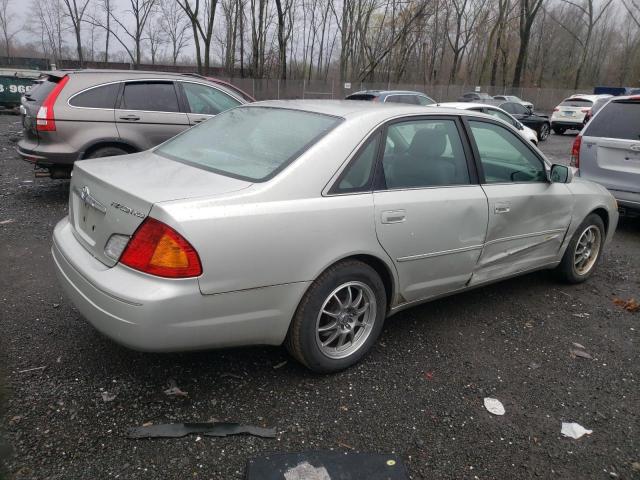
[89,200]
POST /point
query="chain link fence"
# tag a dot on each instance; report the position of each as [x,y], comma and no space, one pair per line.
[544,99]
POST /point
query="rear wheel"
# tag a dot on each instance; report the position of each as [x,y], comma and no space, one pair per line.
[339,318]
[107,152]
[559,130]
[543,132]
[583,251]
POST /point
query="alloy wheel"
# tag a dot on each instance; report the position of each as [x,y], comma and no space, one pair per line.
[544,131]
[587,250]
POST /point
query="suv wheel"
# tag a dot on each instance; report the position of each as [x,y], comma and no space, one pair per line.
[543,132]
[559,130]
[107,152]
[339,318]
[583,251]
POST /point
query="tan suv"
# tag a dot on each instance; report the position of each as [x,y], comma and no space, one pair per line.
[79,114]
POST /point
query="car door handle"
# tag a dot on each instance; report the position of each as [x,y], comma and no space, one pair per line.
[393,216]
[131,118]
[501,208]
[198,120]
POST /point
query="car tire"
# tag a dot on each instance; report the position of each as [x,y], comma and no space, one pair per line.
[543,132]
[328,315]
[559,130]
[107,152]
[584,251]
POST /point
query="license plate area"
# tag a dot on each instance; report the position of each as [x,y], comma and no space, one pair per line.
[568,113]
[87,220]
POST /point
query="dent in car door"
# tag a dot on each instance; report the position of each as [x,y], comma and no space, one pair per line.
[149,113]
[528,215]
[429,217]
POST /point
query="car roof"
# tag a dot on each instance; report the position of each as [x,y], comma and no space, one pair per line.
[464,105]
[349,109]
[89,71]
[387,92]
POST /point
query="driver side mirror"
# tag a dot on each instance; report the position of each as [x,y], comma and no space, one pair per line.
[519,126]
[560,174]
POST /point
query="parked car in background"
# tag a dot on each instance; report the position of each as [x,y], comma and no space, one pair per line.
[597,105]
[570,113]
[607,151]
[539,123]
[392,96]
[205,240]
[513,98]
[474,97]
[77,114]
[523,130]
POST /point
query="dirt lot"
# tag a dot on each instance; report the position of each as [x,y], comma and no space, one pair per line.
[419,394]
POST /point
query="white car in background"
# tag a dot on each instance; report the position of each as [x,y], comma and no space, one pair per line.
[572,112]
[513,98]
[528,133]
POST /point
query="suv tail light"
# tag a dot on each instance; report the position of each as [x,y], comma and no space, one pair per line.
[575,152]
[158,249]
[585,110]
[556,109]
[45,119]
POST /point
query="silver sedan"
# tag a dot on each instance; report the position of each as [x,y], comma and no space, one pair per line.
[309,222]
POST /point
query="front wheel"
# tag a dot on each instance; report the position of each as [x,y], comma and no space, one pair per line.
[583,251]
[339,318]
[543,132]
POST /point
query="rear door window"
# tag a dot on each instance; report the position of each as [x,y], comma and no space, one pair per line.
[618,119]
[103,96]
[424,100]
[207,100]
[150,97]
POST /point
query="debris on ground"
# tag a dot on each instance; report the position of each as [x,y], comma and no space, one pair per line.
[326,465]
[5,222]
[579,345]
[108,397]
[574,430]
[534,366]
[580,353]
[635,466]
[630,305]
[493,405]
[280,365]
[174,390]
[32,369]
[428,375]
[177,430]
[580,315]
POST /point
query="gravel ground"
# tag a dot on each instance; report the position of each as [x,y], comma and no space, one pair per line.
[419,394]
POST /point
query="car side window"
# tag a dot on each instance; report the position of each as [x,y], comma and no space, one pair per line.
[504,156]
[411,99]
[424,100]
[359,174]
[426,153]
[508,107]
[150,96]
[207,100]
[520,109]
[502,116]
[104,96]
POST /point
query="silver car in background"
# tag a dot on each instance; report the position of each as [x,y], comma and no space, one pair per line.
[608,151]
[309,222]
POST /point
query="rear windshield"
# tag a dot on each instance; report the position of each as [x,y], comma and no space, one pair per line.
[361,96]
[249,143]
[617,119]
[40,90]
[576,102]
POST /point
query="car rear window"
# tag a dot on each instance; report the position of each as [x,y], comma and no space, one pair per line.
[576,102]
[103,96]
[249,143]
[617,119]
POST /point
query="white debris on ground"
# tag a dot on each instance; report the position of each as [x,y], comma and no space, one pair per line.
[494,406]
[574,430]
[306,471]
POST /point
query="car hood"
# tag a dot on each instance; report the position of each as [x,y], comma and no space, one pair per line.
[155,178]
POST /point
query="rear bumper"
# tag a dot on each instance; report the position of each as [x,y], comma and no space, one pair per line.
[45,156]
[155,314]
[629,200]
[577,124]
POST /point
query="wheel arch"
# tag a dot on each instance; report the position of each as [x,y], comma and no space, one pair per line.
[604,215]
[89,149]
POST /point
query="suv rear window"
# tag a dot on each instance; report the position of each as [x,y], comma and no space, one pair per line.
[103,96]
[40,90]
[617,119]
[576,102]
[249,143]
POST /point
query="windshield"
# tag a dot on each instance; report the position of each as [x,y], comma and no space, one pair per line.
[250,143]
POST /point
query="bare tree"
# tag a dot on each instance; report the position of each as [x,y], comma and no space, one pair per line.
[175,26]
[5,24]
[201,14]
[107,6]
[528,11]
[75,12]
[155,37]
[50,27]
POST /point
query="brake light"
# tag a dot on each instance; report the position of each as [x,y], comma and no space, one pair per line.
[45,119]
[158,249]
[575,152]
[585,110]
[556,109]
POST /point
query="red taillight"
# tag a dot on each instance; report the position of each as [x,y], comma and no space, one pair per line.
[45,119]
[575,152]
[158,249]
[585,110]
[556,109]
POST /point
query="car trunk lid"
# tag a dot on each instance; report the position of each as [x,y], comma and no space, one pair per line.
[610,152]
[114,195]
